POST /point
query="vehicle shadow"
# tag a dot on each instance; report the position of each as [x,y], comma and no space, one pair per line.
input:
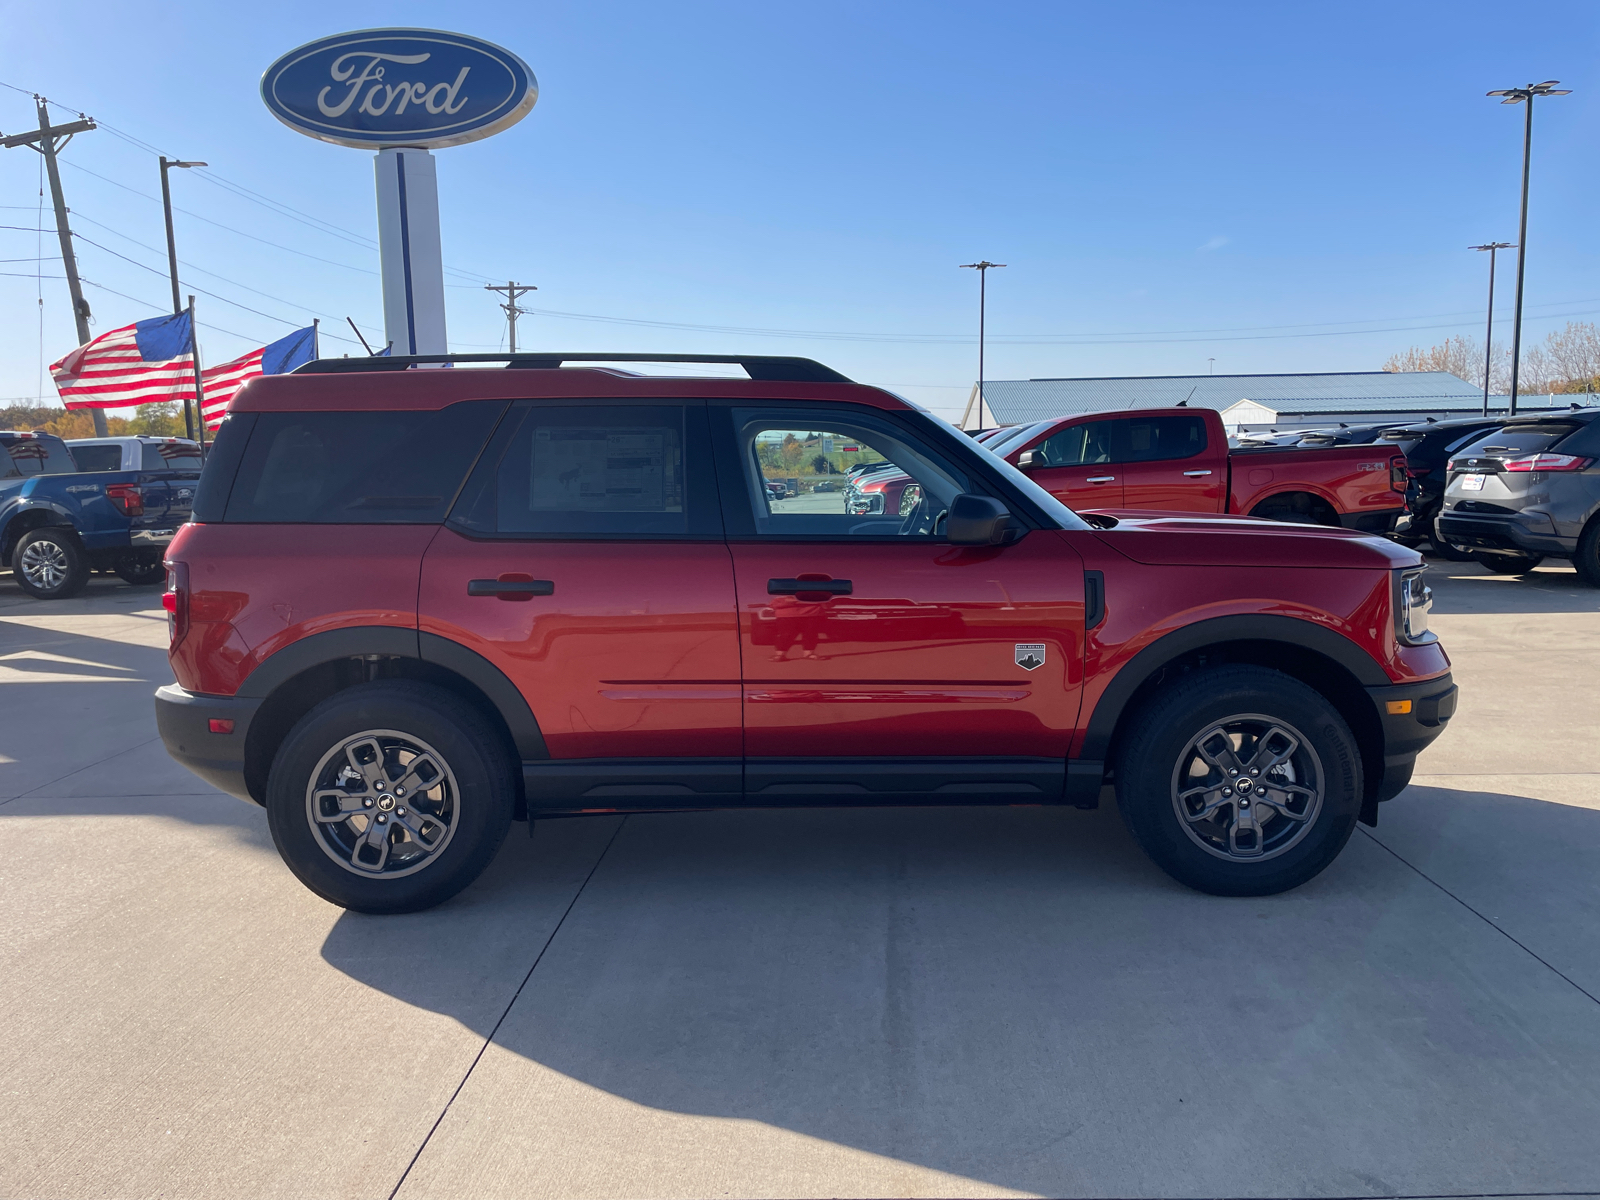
[1018,996]
[1467,588]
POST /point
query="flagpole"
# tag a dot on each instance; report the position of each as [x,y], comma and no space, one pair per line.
[199,388]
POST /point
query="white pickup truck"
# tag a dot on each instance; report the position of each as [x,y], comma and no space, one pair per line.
[140,453]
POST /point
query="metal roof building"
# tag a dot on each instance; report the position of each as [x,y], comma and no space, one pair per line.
[1256,401]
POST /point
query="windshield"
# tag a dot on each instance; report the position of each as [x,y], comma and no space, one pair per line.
[1517,439]
[1012,437]
[1052,508]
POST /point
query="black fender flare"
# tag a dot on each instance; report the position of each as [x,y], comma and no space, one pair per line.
[11,533]
[392,641]
[1291,631]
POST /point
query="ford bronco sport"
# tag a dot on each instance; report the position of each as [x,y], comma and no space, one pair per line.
[414,605]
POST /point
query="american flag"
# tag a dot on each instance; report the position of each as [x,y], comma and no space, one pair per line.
[143,363]
[148,362]
[222,381]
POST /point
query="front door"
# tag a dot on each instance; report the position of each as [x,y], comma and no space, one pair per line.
[1077,465]
[585,560]
[881,662]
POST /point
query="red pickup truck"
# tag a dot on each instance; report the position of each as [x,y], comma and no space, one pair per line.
[547,591]
[1178,460]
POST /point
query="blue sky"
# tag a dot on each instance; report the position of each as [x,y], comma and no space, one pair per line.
[1278,187]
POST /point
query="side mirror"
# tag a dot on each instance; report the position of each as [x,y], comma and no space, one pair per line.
[1029,459]
[978,521]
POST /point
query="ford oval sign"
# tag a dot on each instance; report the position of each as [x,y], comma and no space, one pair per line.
[399,87]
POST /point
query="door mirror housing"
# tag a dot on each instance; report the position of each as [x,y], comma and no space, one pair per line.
[1029,459]
[979,521]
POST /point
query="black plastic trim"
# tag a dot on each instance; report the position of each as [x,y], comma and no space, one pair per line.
[1094,598]
[578,784]
[765,368]
[964,780]
[492,682]
[1214,632]
[183,718]
[389,641]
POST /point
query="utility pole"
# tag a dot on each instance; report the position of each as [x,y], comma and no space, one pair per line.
[44,141]
[512,290]
[982,268]
[172,268]
[1488,337]
[1517,96]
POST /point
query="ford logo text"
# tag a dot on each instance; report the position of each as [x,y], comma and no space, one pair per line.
[399,87]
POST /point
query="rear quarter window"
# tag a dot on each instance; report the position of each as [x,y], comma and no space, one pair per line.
[169,456]
[356,468]
[98,458]
[36,456]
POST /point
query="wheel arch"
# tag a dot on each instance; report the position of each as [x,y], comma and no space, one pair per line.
[1302,497]
[297,678]
[26,521]
[1328,662]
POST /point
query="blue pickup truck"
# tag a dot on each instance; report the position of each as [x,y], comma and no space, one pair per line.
[60,521]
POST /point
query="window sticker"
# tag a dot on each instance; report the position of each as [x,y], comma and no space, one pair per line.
[599,470]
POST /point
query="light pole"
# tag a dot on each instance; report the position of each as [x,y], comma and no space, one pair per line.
[982,268]
[172,267]
[1517,96]
[1488,336]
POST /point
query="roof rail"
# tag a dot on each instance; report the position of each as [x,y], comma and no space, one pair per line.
[769,368]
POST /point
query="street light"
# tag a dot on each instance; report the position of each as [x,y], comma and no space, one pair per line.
[1517,96]
[982,268]
[172,263]
[1488,337]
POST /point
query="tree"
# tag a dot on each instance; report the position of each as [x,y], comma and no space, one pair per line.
[1568,360]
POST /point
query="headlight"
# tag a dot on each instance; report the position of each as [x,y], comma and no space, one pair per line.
[1412,607]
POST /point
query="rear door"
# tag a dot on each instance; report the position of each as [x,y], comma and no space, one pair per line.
[1077,465]
[586,561]
[1166,463]
[880,662]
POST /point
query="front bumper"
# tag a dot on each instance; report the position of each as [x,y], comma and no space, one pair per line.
[1532,532]
[1411,716]
[1381,521]
[184,718]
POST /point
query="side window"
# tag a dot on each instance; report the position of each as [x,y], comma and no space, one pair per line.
[1154,439]
[615,470]
[838,475]
[1079,445]
[97,458]
[170,456]
[358,468]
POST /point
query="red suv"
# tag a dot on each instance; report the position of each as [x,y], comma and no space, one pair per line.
[415,605]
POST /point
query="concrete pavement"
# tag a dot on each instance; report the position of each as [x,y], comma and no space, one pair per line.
[950,1002]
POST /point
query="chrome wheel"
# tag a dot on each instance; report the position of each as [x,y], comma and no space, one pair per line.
[44,564]
[1248,788]
[383,804]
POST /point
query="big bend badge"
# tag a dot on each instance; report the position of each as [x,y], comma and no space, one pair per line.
[1030,655]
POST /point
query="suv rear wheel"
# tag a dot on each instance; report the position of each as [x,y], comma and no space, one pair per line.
[1239,781]
[50,564]
[390,797]
[1587,559]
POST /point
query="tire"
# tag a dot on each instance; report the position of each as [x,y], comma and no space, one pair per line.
[1587,558]
[141,569]
[455,760]
[1297,508]
[50,564]
[1161,768]
[1444,549]
[1508,562]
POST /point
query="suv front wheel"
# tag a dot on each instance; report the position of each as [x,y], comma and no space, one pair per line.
[390,797]
[1239,781]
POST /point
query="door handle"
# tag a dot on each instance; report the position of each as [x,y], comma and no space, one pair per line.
[1195,474]
[511,587]
[796,587]
[1102,479]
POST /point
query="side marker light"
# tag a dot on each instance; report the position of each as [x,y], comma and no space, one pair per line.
[1396,708]
[224,725]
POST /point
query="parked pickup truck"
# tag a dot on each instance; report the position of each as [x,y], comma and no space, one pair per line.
[1178,460]
[57,522]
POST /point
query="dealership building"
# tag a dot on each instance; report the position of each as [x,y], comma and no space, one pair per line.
[1249,403]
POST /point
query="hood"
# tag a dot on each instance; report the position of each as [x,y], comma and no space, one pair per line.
[1203,541]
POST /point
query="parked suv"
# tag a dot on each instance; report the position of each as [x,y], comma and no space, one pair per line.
[1428,448]
[414,605]
[1528,490]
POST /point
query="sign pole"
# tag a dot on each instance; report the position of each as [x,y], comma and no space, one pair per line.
[199,386]
[410,252]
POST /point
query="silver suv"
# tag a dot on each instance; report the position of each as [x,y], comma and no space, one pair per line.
[1527,491]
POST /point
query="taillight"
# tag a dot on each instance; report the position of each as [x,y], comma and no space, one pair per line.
[1399,477]
[127,497]
[1547,462]
[176,601]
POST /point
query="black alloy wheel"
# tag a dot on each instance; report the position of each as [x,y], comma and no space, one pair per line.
[50,564]
[141,569]
[1507,562]
[1587,558]
[1239,781]
[390,797]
